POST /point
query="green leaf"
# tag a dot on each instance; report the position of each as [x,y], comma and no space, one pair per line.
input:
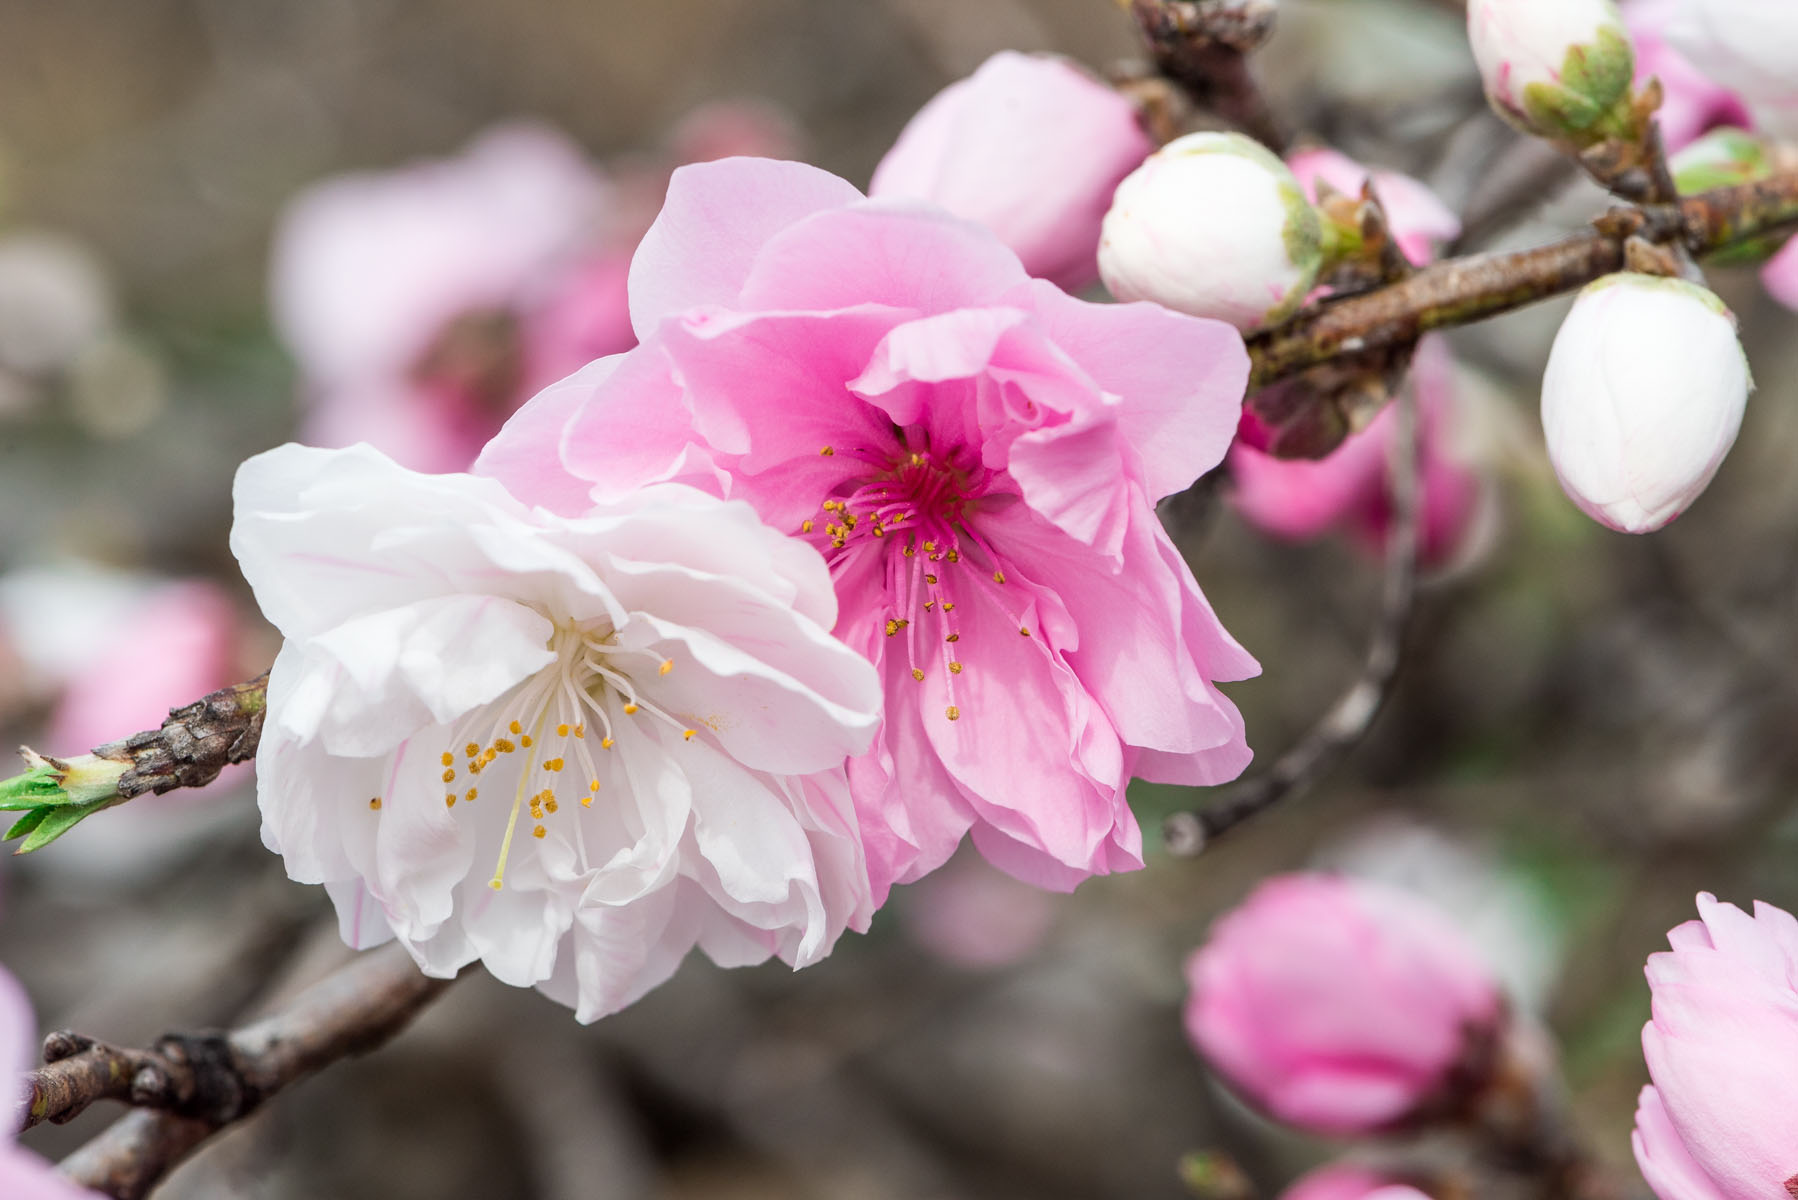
[27,823]
[53,824]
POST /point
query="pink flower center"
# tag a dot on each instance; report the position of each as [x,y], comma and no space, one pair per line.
[915,507]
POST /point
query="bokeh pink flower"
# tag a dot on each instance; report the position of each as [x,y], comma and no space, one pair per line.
[1349,1181]
[1721,1119]
[23,1174]
[1691,101]
[1337,1005]
[1349,490]
[977,455]
[1031,146]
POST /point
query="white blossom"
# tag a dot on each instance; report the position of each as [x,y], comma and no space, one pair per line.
[571,748]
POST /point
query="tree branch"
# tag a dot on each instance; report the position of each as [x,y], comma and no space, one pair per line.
[1464,290]
[1317,753]
[1203,46]
[194,1085]
[196,742]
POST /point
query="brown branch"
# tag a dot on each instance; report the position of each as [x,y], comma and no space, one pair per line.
[1203,46]
[197,1084]
[1317,753]
[1463,290]
[196,742]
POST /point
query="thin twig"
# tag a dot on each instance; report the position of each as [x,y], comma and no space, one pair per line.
[1317,753]
[196,742]
[205,1082]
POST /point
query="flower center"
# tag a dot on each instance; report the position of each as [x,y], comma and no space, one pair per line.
[545,719]
[917,509]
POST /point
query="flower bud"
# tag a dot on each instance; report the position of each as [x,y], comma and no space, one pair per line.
[1725,158]
[1213,225]
[1342,1006]
[1721,1121]
[1559,69]
[1642,398]
[1029,146]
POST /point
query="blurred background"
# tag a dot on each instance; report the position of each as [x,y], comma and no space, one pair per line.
[1590,728]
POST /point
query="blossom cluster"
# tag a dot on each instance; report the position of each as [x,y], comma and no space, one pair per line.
[850,557]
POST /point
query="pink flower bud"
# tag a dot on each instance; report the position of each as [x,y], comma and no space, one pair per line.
[1213,225]
[1029,146]
[1557,68]
[1721,1121]
[1340,1006]
[1642,398]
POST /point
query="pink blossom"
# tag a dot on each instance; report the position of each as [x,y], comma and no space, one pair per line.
[23,1174]
[1721,1121]
[977,455]
[1349,1181]
[1300,499]
[407,295]
[1030,146]
[1419,220]
[1339,1006]
[970,915]
[1691,101]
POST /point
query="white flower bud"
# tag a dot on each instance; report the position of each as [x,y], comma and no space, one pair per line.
[1213,225]
[1642,398]
[1560,69]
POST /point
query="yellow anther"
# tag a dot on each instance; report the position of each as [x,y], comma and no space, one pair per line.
[1024,629]
[879,532]
[562,730]
[586,802]
[580,731]
[550,804]
[667,666]
[917,674]
[892,627]
[954,637]
[686,735]
[449,801]
[910,550]
[375,804]
[805,526]
[525,741]
[539,832]
[474,768]
[495,884]
[554,764]
[605,743]
[489,754]
[955,556]
[953,713]
[630,710]
[471,749]
[930,547]
[948,606]
[930,606]
[504,746]
[930,579]
[471,794]
[832,505]
[515,727]
[827,452]
[955,668]
[448,758]
[917,460]
[998,576]
[593,786]
[449,776]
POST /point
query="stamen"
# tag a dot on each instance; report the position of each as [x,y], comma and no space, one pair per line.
[955,668]
[375,804]
[917,674]
[953,713]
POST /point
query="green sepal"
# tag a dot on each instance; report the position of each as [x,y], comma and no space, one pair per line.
[27,823]
[1591,101]
[41,784]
